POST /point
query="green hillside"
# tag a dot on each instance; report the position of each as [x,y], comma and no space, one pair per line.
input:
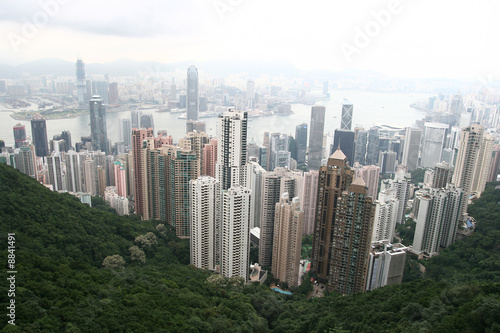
[62,286]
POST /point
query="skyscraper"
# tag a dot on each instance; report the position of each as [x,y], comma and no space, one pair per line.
[26,160]
[443,173]
[192,93]
[346,120]
[98,127]
[472,163]
[101,88]
[370,175]
[204,202]
[39,135]
[372,148]
[411,149]
[147,121]
[401,184]
[301,142]
[55,172]
[280,156]
[388,163]
[209,158]
[386,216]
[81,88]
[351,240]
[140,182]
[19,135]
[433,144]
[231,147]
[360,146]
[345,140]
[73,171]
[235,232]
[126,132]
[287,242]
[250,95]
[437,214]
[135,117]
[317,126]
[308,200]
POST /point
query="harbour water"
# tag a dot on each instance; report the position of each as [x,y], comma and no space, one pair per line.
[370,108]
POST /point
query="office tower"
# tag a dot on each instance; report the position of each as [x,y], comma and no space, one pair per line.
[472,165]
[453,138]
[263,157]
[126,132]
[346,120]
[351,239]
[195,126]
[280,156]
[370,175]
[98,127]
[135,117]
[253,181]
[411,150]
[253,151]
[334,178]
[74,172]
[250,95]
[448,156]
[317,126]
[204,202]
[495,163]
[274,184]
[181,167]
[387,264]
[192,93]
[433,144]
[326,94]
[113,93]
[232,147]
[372,147]
[288,224]
[301,142]
[345,140]
[19,135]
[209,158]
[139,167]
[401,184]
[443,173]
[235,232]
[39,135]
[455,105]
[26,160]
[55,172]
[101,88]
[182,101]
[147,121]
[81,88]
[388,163]
[266,143]
[308,200]
[328,147]
[173,91]
[360,146]
[437,213]
[386,216]
[195,141]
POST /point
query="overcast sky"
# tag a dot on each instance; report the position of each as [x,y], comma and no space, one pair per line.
[407,38]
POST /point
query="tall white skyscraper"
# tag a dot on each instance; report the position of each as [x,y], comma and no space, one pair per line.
[253,181]
[411,150]
[386,216]
[55,172]
[316,130]
[437,214]
[232,147]
[401,184]
[433,144]
[73,171]
[192,94]
[126,132]
[308,200]
[204,197]
[235,232]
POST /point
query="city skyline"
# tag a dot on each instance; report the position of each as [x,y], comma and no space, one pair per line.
[374,35]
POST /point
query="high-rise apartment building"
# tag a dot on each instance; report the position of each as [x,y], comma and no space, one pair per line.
[401,184]
[279,154]
[370,175]
[437,213]
[209,158]
[386,216]
[73,171]
[26,160]
[120,178]
[308,200]
[39,135]
[346,120]
[139,167]
[316,131]
[98,127]
[235,232]
[231,147]
[287,242]
[388,162]
[443,173]
[204,202]
[253,181]
[54,168]
[387,263]
[192,93]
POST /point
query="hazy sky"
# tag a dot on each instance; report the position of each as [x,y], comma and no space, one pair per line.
[411,38]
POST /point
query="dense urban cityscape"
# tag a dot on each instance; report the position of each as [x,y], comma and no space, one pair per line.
[233,166]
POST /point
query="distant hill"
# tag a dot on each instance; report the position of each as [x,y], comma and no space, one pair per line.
[62,286]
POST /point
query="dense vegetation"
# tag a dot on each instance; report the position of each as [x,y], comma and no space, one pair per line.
[62,285]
